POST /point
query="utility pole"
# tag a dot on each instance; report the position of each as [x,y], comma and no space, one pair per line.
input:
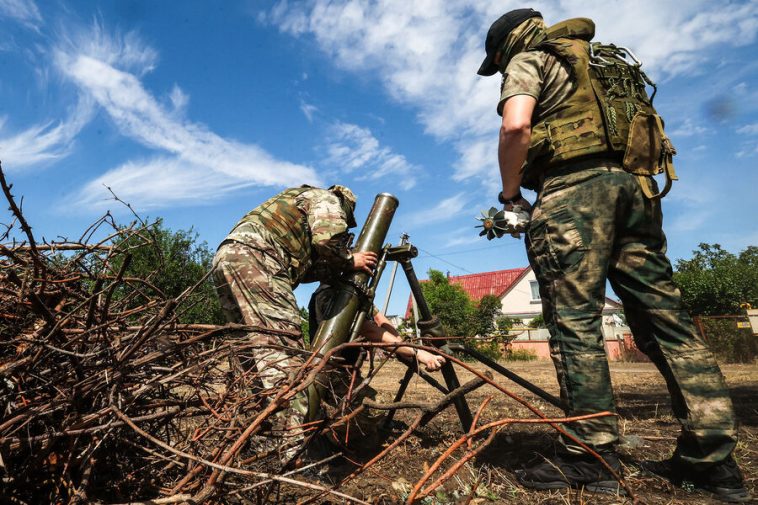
[403,240]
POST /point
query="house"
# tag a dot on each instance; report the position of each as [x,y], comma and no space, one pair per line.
[519,296]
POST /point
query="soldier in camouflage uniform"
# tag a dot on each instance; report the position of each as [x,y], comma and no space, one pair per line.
[564,129]
[299,235]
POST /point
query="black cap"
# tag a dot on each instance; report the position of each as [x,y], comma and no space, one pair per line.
[497,33]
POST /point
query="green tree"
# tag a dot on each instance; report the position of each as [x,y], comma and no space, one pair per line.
[305,325]
[485,315]
[173,261]
[715,281]
[504,325]
[450,303]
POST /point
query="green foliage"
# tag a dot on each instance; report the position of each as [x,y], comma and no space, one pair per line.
[537,322]
[490,347]
[305,325]
[728,343]
[520,355]
[715,282]
[504,324]
[173,261]
[450,303]
[488,309]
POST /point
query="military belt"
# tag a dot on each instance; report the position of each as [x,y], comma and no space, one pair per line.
[573,166]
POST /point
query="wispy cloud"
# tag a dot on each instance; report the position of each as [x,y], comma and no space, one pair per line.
[426,53]
[189,160]
[462,236]
[308,110]
[689,128]
[154,183]
[23,11]
[46,142]
[352,148]
[748,147]
[443,211]
[748,129]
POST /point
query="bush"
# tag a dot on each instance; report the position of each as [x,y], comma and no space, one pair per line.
[171,261]
[728,343]
[490,347]
[537,322]
[520,355]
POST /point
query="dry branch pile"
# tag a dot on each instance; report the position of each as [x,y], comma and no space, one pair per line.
[106,398]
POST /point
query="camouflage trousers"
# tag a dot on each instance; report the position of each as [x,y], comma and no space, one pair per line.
[592,224]
[254,289]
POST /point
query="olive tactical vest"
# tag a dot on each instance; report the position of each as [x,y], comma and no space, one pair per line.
[608,103]
[288,225]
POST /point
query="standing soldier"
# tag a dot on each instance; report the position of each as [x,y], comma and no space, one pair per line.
[579,128]
[299,235]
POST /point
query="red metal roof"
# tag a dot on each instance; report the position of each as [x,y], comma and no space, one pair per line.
[486,283]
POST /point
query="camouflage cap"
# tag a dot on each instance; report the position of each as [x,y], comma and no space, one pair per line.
[348,199]
[497,33]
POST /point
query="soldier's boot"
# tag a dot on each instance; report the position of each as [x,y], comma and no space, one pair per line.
[723,480]
[573,470]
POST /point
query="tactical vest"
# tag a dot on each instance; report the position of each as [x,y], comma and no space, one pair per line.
[288,225]
[609,114]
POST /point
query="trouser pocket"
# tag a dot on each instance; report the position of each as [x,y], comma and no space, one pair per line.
[554,243]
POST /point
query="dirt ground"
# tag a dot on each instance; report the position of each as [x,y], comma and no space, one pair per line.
[648,427]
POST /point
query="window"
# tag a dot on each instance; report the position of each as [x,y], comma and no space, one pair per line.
[535,290]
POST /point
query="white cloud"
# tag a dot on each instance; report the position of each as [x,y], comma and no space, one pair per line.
[24,11]
[309,110]
[689,128]
[46,142]
[426,53]
[157,182]
[446,209]
[748,129]
[190,160]
[352,148]
[126,52]
[462,236]
[179,99]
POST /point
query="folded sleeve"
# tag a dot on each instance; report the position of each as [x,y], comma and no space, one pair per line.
[329,231]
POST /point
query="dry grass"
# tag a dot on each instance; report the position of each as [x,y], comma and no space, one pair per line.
[647,424]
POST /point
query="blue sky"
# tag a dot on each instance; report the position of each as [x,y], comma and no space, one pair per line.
[198,111]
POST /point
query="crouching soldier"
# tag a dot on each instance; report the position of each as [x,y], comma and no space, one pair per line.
[258,265]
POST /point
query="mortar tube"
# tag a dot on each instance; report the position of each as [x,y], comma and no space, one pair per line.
[349,300]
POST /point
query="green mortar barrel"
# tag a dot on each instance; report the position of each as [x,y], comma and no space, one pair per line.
[349,301]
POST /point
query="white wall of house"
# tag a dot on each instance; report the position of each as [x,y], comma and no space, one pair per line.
[523,299]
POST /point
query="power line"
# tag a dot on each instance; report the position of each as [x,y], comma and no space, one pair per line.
[444,261]
[470,250]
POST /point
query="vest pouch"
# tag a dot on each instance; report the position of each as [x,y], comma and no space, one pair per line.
[649,152]
[572,137]
[644,145]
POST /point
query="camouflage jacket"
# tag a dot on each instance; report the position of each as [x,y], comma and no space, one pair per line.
[305,228]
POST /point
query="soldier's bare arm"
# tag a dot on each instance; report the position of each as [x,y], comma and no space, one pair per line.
[515,133]
[374,332]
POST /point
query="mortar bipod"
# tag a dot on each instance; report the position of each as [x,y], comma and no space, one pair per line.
[430,326]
